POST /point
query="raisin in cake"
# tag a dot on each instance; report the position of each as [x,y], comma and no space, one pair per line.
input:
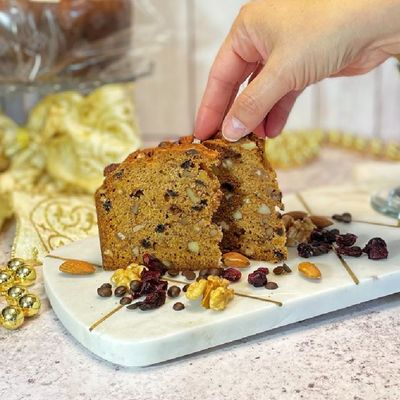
[249,210]
[161,201]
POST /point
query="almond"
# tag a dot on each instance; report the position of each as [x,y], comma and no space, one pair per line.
[235,260]
[297,214]
[320,222]
[309,270]
[77,267]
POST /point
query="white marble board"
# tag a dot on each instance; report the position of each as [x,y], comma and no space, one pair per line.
[137,338]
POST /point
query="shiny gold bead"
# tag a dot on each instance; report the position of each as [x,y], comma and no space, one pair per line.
[11,317]
[14,293]
[25,276]
[6,280]
[15,263]
[30,304]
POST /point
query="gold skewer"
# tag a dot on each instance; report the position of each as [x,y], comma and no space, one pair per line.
[108,315]
[68,259]
[347,268]
[303,202]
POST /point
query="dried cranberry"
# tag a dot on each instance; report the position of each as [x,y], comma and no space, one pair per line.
[324,236]
[351,251]
[148,275]
[305,250]
[347,239]
[153,300]
[374,242]
[232,274]
[257,279]
[264,270]
[321,248]
[162,285]
[147,287]
[376,249]
[378,253]
[154,264]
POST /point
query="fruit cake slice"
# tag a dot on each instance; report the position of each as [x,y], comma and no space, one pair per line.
[161,201]
[249,210]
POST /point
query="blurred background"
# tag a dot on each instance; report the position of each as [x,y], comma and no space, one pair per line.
[368,105]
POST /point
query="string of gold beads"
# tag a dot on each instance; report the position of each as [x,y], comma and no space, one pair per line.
[15,279]
[296,148]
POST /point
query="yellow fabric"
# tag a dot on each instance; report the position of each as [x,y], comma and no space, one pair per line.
[61,152]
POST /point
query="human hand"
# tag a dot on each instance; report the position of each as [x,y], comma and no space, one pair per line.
[285,45]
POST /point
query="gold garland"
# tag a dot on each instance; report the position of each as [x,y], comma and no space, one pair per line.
[296,148]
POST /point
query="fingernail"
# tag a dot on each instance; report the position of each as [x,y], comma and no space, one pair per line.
[233,129]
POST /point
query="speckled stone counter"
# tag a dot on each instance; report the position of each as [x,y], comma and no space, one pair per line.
[350,354]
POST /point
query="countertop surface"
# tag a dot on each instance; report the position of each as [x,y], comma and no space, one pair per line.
[349,354]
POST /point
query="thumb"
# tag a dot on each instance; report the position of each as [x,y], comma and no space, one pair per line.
[256,101]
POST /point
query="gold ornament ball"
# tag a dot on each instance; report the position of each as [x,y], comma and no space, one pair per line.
[25,276]
[11,317]
[30,304]
[15,263]
[6,280]
[14,293]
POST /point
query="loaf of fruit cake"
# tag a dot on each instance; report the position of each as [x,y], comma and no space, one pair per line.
[249,211]
[161,201]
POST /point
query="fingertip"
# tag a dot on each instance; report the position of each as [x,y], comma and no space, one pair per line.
[233,129]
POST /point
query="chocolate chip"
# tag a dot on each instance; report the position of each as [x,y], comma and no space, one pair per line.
[120,291]
[145,243]
[178,306]
[104,291]
[201,205]
[135,286]
[345,217]
[160,228]
[204,273]
[228,186]
[286,268]
[119,174]
[200,182]
[173,272]
[174,291]
[187,164]
[175,209]
[126,300]
[171,193]
[137,193]
[107,205]
[271,285]
[106,285]
[185,288]
[215,271]
[279,255]
[279,271]
[134,306]
[189,275]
